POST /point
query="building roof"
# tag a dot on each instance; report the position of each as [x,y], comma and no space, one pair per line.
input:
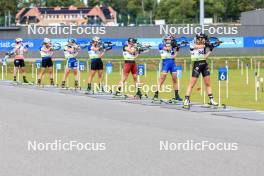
[63,11]
[105,13]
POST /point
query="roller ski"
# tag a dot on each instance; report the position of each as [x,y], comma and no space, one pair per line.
[214,105]
[119,95]
[102,90]
[24,82]
[175,101]
[156,99]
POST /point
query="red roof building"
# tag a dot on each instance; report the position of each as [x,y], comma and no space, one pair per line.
[72,15]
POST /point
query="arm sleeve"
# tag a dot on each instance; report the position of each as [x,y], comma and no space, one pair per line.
[161,46]
[192,44]
[89,48]
[124,47]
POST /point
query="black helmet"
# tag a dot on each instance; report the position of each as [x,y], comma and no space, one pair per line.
[132,40]
[201,35]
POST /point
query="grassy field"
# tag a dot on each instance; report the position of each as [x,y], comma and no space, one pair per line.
[240,93]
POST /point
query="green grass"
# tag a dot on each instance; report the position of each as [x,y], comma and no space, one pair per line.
[240,94]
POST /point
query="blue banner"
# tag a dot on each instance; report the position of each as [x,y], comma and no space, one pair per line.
[231,42]
[254,42]
[109,68]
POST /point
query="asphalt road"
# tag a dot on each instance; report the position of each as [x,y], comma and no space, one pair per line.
[130,133]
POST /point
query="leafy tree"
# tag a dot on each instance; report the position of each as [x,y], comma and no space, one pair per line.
[177,10]
[214,8]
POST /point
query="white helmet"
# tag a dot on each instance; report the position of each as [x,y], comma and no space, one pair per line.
[46,40]
[96,39]
[19,40]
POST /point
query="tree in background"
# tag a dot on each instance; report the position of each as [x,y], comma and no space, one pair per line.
[7,7]
[214,9]
[177,11]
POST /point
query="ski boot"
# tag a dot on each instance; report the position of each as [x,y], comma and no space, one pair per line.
[156,99]
[39,82]
[186,104]
[25,80]
[63,84]
[156,96]
[118,93]
[138,94]
[175,100]
[52,82]
[212,102]
[76,84]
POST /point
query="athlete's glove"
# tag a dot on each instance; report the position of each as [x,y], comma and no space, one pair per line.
[177,48]
[174,43]
[211,47]
[207,44]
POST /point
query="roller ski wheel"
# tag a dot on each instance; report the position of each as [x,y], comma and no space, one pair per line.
[89,92]
[156,101]
[214,106]
[118,94]
[27,83]
[186,107]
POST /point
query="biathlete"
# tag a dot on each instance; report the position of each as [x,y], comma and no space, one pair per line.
[130,53]
[96,53]
[46,52]
[19,63]
[199,56]
[168,52]
[70,52]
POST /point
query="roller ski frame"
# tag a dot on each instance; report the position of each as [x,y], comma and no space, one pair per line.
[208,106]
[17,83]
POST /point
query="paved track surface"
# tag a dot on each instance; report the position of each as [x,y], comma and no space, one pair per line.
[132,134]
